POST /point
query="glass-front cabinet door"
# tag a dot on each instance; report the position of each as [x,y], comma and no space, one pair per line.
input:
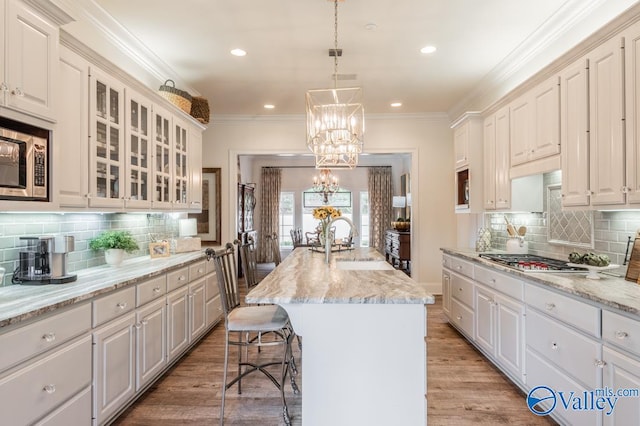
[181,173]
[162,169]
[138,149]
[106,132]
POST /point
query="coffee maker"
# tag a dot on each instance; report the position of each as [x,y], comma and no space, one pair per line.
[44,260]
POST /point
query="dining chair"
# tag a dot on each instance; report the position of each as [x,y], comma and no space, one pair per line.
[249,324]
[248,261]
[296,237]
[274,245]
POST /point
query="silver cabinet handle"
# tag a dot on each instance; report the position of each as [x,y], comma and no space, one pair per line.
[550,306]
[200,270]
[458,267]
[182,278]
[599,363]
[621,335]
[459,317]
[49,337]
[4,87]
[156,290]
[145,322]
[17,92]
[137,325]
[554,346]
[121,305]
[49,389]
[492,280]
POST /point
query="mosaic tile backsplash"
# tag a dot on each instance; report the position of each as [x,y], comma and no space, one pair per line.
[83,227]
[611,229]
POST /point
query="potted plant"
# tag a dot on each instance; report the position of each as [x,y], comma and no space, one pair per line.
[114,244]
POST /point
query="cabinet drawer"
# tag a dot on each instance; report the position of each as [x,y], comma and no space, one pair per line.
[28,341]
[76,411]
[197,270]
[462,267]
[570,311]
[621,331]
[151,290]
[177,278]
[446,261]
[462,289]
[569,350]
[211,289]
[503,283]
[113,305]
[462,318]
[31,392]
[210,266]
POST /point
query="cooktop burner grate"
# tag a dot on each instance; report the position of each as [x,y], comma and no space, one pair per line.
[532,263]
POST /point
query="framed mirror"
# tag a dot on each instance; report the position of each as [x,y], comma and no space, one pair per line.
[209,222]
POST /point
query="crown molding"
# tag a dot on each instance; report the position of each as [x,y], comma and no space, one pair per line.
[432,116]
[52,10]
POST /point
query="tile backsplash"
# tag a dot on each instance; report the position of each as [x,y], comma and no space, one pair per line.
[83,227]
[611,229]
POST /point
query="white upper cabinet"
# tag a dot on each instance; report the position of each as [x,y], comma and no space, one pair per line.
[181,175]
[29,60]
[606,124]
[489,149]
[461,145]
[106,131]
[467,139]
[163,165]
[574,118]
[497,185]
[138,156]
[535,123]
[195,164]
[632,92]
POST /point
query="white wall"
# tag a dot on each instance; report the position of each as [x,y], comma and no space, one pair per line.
[426,137]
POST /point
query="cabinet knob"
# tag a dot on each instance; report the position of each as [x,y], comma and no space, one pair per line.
[4,87]
[550,306]
[554,346]
[182,278]
[459,317]
[460,289]
[599,363]
[145,322]
[156,290]
[621,335]
[17,92]
[49,389]
[49,337]
[121,305]
[200,270]
[492,280]
[624,189]
[137,325]
[458,267]
[588,193]
[489,201]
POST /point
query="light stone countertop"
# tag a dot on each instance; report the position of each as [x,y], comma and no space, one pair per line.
[304,277]
[609,291]
[22,302]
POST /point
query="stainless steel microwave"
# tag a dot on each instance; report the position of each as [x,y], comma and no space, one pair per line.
[24,161]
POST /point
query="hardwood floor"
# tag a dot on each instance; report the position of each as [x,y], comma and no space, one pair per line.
[463,388]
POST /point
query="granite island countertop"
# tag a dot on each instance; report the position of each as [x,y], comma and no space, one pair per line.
[21,302]
[611,291]
[304,277]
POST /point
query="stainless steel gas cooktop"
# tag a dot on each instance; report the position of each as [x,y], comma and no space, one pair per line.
[531,263]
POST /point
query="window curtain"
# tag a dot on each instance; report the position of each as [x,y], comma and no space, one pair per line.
[380,208]
[270,184]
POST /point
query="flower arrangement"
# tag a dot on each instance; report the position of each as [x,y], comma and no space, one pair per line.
[324,214]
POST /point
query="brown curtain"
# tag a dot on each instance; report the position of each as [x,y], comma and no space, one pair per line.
[270,184]
[380,209]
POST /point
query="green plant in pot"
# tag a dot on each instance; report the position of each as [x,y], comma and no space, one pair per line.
[114,244]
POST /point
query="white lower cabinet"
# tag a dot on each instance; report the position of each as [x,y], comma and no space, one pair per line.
[177,322]
[76,411]
[114,366]
[197,309]
[622,372]
[446,292]
[151,354]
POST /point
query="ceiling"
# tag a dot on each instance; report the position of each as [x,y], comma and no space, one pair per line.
[287,44]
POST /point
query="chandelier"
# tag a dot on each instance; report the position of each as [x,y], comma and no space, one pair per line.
[335,119]
[327,184]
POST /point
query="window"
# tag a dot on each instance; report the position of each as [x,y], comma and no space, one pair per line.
[287,210]
[364,218]
[310,224]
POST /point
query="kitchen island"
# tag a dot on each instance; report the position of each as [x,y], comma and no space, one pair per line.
[363,326]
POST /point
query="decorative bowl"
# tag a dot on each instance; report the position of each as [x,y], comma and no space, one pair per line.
[401,226]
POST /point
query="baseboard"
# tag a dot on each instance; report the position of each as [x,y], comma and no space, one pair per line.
[434,288]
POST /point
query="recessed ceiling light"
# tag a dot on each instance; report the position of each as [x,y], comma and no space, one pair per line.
[396,104]
[269,106]
[238,52]
[428,49]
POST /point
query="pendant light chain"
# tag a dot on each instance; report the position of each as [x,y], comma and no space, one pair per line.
[335,41]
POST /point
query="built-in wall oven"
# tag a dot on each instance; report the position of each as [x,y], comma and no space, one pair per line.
[24,161]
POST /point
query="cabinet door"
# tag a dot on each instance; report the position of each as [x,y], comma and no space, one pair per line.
[213,311]
[503,158]
[621,372]
[163,166]
[106,131]
[461,145]
[177,322]
[510,335]
[485,319]
[446,293]
[73,134]
[607,175]
[181,164]
[195,168]
[574,113]
[197,309]
[489,150]
[521,128]
[138,151]
[151,326]
[546,105]
[632,122]
[31,61]
[114,364]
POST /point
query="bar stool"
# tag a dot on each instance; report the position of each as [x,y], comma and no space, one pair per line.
[251,323]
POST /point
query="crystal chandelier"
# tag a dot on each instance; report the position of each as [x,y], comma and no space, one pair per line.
[326,184]
[335,119]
